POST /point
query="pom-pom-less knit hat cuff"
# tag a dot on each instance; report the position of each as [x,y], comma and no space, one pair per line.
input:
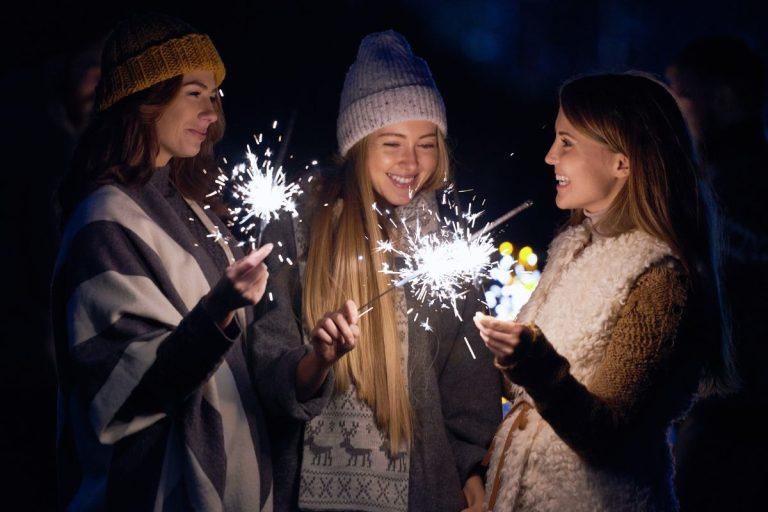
[166,60]
[390,106]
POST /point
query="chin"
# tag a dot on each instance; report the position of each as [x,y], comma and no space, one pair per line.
[398,200]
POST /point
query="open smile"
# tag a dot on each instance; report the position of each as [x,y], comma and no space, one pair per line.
[401,181]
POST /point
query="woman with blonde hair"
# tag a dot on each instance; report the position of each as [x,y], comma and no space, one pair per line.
[412,412]
[625,325]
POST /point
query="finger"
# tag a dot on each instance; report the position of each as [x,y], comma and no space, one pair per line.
[259,255]
[328,324]
[252,286]
[343,327]
[497,324]
[350,312]
[322,336]
[512,340]
[248,263]
[499,349]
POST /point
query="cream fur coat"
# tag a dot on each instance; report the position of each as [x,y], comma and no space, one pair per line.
[576,305]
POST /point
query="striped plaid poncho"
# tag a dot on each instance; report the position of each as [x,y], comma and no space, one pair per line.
[157,410]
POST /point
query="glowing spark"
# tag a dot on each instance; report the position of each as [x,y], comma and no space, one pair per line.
[274,124]
[216,235]
[426,326]
[469,347]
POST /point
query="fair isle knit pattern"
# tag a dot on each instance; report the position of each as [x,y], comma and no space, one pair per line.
[157,411]
[386,84]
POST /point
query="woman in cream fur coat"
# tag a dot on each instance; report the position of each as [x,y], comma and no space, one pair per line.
[624,327]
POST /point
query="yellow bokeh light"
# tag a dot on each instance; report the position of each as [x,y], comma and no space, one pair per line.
[506,248]
[522,257]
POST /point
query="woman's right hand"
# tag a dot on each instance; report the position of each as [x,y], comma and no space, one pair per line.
[243,284]
[336,334]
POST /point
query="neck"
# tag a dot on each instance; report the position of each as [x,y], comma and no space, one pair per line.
[162,159]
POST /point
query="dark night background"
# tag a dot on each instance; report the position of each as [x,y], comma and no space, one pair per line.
[498,65]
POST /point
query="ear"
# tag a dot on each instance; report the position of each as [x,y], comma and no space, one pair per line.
[621,166]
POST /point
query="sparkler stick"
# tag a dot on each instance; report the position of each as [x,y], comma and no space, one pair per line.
[501,220]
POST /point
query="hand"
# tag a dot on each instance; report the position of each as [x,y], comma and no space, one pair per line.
[336,334]
[502,337]
[243,284]
[474,492]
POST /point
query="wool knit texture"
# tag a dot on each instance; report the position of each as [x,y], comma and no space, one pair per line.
[386,84]
[604,379]
[147,49]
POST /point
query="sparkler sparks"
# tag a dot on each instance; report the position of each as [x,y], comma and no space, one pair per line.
[261,191]
[439,265]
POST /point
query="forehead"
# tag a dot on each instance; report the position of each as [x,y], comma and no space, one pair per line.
[201,76]
[562,122]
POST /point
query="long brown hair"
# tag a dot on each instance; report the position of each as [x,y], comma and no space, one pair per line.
[343,264]
[666,195]
[120,145]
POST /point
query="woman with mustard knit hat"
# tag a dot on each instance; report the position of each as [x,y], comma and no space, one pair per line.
[151,305]
[412,413]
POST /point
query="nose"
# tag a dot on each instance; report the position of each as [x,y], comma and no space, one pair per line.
[551,156]
[409,160]
[209,114]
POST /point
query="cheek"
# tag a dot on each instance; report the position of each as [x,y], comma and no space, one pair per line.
[428,163]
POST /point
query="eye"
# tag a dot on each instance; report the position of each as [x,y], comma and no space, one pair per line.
[193,93]
[566,143]
[427,145]
[392,144]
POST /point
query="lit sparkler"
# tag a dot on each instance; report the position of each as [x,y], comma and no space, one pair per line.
[439,265]
[262,191]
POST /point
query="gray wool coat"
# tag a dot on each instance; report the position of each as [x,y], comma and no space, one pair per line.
[455,398]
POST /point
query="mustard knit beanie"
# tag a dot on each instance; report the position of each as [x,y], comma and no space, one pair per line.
[147,49]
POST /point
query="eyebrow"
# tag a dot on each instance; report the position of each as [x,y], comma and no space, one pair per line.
[197,83]
[563,132]
[393,134]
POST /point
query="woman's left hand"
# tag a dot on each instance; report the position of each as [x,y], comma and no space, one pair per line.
[502,337]
[474,492]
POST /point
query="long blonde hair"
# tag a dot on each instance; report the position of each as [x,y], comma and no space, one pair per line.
[343,263]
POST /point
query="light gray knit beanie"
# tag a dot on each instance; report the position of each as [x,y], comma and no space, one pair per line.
[386,84]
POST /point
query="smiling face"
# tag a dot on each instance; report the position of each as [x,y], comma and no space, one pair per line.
[183,125]
[400,159]
[589,175]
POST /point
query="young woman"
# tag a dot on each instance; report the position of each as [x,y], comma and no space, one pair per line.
[157,410]
[412,412]
[611,347]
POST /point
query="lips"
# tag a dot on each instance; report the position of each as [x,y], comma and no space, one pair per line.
[562,181]
[403,181]
[198,133]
